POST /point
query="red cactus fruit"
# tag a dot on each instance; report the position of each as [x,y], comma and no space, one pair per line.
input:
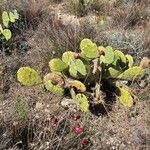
[76,55]
[75,117]
[101,53]
[78,129]
[84,142]
[53,121]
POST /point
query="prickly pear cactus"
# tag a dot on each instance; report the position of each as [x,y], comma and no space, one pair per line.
[89,49]
[108,58]
[13,16]
[82,101]
[129,60]
[28,76]
[57,65]
[7,34]
[111,73]
[120,61]
[132,74]
[125,97]
[81,74]
[54,85]
[5,18]
[120,55]
[67,57]
[76,84]
[77,69]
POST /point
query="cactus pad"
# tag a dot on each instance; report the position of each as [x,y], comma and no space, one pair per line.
[111,73]
[80,67]
[57,65]
[5,18]
[76,84]
[120,55]
[53,87]
[132,73]
[109,56]
[1,29]
[28,76]
[13,16]
[77,68]
[125,97]
[67,56]
[129,60]
[82,101]
[89,49]
[7,34]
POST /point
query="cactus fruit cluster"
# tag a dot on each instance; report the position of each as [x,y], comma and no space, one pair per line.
[81,72]
[7,18]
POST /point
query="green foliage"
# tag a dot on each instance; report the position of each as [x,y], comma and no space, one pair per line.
[7,34]
[76,84]
[52,83]
[90,66]
[125,97]
[111,73]
[7,18]
[67,57]
[77,68]
[89,49]
[129,60]
[28,76]
[109,56]
[57,65]
[82,102]
[132,73]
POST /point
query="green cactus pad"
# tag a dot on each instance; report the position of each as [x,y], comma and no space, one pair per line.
[101,48]
[129,60]
[5,18]
[57,65]
[55,78]
[7,34]
[89,49]
[120,61]
[132,73]
[77,68]
[72,93]
[125,97]
[55,89]
[13,16]
[76,84]
[28,76]
[111,73]
[67,56]
[81,68]
[120,55]
[82,101]
[1,29]
[109,56]
[73,72]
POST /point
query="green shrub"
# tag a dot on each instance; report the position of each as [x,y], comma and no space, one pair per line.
[78,72]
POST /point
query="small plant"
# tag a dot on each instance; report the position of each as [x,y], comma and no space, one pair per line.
[79,7]
[7,18]
[82,74]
